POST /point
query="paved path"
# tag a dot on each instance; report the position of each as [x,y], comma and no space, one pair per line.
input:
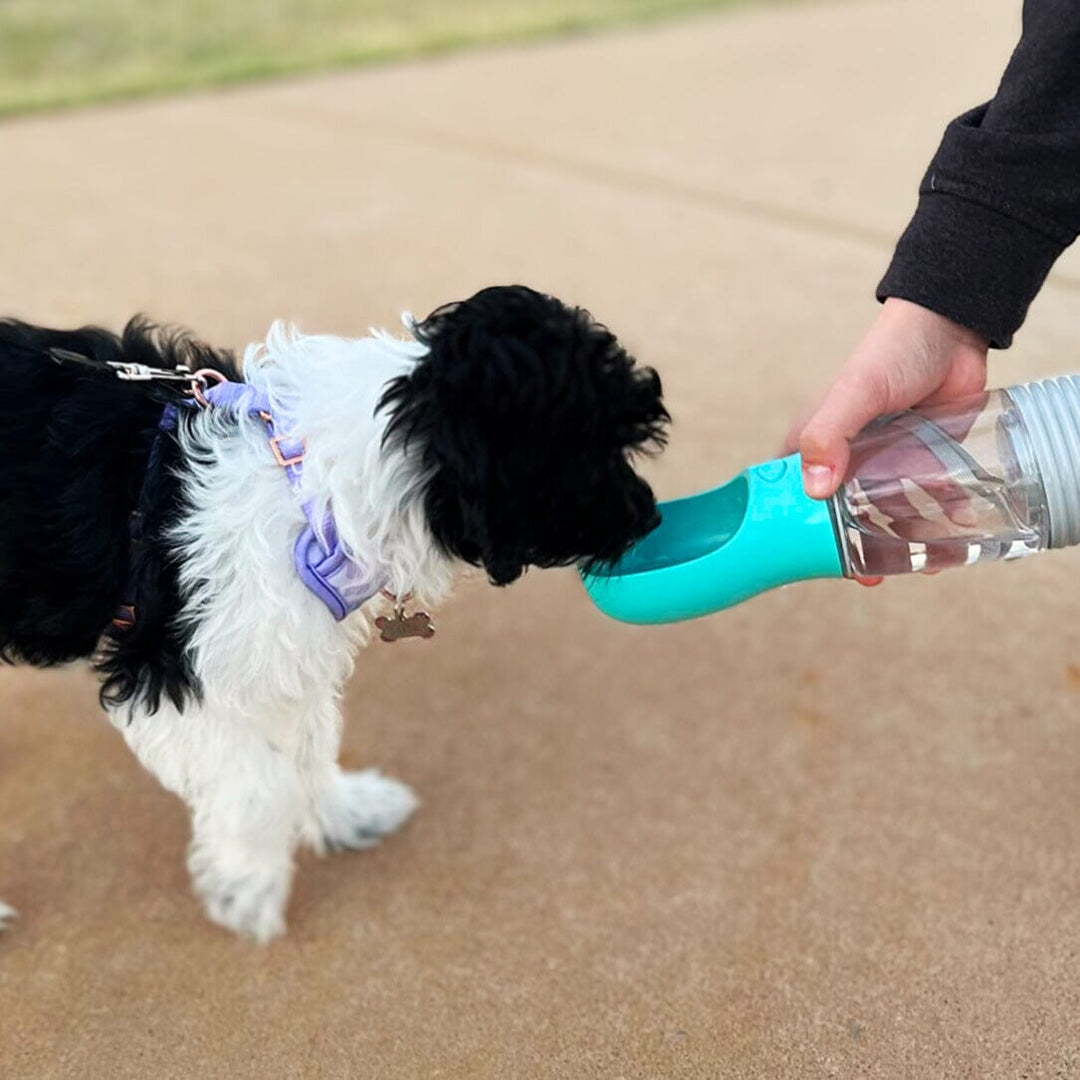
[830,833]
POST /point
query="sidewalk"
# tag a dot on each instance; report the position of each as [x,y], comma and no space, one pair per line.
[833,832]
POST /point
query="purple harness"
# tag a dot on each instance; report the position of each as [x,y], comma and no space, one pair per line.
[325,565]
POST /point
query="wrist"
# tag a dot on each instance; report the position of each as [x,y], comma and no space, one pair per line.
[906,314]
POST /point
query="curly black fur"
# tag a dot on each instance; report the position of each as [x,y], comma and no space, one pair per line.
[527,412]
[75,443]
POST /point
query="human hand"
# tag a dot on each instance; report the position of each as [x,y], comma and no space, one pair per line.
[911,356]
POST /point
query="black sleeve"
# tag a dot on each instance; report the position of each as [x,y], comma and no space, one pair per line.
[1001,199]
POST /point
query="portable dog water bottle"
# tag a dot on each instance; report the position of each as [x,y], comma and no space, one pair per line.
[995,476]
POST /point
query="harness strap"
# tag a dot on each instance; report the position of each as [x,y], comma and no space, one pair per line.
[329,569]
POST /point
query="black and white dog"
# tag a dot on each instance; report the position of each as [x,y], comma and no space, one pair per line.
[221,559]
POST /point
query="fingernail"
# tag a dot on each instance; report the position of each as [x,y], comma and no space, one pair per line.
[817,479]
[965,516]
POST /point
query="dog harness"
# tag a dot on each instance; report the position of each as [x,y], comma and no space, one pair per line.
[332,571]
[325,564]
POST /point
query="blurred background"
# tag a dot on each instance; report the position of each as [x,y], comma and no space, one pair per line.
[829,833]
[68,52]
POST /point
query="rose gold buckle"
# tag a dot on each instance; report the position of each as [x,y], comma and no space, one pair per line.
[284,462]
[200,380]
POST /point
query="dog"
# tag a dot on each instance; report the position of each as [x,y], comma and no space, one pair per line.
[218,540]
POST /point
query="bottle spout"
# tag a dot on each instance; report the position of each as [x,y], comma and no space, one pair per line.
[720,547]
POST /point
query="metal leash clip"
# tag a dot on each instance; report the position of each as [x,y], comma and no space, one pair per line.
[197,381]
[128,372]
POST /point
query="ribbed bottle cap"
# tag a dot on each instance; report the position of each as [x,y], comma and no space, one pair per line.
[1050,411]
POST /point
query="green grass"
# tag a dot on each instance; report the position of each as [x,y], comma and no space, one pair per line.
[56,53]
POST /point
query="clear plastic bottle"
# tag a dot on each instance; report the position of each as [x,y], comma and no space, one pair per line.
[996,476]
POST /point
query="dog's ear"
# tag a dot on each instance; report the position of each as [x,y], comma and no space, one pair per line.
[524,414]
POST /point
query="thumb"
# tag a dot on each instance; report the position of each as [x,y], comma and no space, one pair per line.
[854,400]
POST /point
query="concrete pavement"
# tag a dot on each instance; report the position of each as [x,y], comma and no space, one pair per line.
[830,833]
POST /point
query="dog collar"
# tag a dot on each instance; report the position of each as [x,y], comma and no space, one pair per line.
[325,564]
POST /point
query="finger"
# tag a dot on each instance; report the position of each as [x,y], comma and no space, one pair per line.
[922,517]
[905,520]
[958,506]
[855,399]
[939,500]
[921,531]
[878,553]
[898,463]
[791,441]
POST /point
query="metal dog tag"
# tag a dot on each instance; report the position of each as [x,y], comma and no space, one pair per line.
[399,625]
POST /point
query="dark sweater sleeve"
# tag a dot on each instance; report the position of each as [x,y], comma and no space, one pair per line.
[1001,199]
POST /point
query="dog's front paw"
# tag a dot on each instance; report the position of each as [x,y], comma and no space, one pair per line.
[363,807]
[250,902]
[6,914]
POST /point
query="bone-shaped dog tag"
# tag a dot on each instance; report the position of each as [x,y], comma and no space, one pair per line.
[399,625]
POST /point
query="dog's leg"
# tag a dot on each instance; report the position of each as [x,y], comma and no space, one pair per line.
[357,809]
[247,805]
[346,809]
[6,915]
[245,827]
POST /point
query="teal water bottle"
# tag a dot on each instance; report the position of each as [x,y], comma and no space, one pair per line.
[991,477]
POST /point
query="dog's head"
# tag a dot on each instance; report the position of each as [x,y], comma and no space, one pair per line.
[525,414]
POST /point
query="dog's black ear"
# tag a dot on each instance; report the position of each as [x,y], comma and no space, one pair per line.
[525,413]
